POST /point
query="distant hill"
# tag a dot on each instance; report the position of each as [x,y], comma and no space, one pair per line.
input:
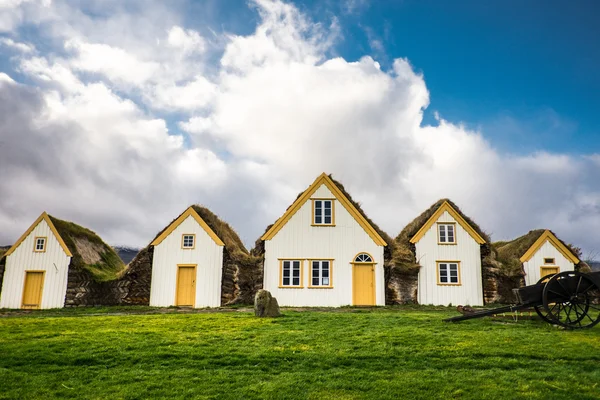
[126,253]
[594,265]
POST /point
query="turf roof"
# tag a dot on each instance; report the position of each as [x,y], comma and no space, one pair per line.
[90,253]
[510,252]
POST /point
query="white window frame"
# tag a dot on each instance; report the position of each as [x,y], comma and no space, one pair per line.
[444,227]
[445,266]
[322,207]
[321,283]
[44,241]
[291,264]
[183,241]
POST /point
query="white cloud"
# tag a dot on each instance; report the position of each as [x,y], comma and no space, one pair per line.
[274,111]
[19,46]
[188,41]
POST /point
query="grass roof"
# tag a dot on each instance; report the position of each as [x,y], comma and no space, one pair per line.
[90,253]
[510,252]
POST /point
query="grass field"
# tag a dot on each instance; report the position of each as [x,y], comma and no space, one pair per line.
[348,354]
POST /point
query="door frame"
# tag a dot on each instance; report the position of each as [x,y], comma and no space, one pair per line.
[195,266]
[25,285]
[354,266]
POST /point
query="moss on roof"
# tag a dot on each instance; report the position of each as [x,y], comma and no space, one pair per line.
[90,253]
[510,252]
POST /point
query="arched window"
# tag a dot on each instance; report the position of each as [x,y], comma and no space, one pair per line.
[363,258]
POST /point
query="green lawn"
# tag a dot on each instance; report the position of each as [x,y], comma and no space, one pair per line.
[351,354]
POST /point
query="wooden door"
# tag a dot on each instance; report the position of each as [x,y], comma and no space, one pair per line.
[186,286]
[32,289]
[363,285]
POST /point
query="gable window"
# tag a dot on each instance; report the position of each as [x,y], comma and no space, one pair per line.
[188,241]
[40,244]
[320,273]
[291,273]
[549,261]
[446,234]
[448,273]
[323,212]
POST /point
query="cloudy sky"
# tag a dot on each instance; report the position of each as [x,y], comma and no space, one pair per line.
[118,115]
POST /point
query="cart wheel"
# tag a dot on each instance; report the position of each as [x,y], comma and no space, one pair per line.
[540,309]
[572,300]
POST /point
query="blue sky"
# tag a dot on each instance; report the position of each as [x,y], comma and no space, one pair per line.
[525,72]
[535,62]
[126,109]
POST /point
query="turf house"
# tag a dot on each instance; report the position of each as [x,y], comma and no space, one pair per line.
[198,260]
[539,253]
[57,263]
[439,258]
[324,251]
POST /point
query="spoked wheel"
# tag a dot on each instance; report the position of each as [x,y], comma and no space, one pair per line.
[540,309]
[572,300]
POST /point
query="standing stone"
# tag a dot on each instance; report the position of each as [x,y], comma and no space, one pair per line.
[266,305]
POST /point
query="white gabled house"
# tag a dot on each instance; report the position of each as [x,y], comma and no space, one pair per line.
[187,264]
[36,268]
[324,252]
[56,263]
[548,255]
[448,249]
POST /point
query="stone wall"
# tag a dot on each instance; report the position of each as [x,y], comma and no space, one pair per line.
[82,290]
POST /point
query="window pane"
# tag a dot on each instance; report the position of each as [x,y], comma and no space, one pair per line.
[286,281]
[327,211]
[296,281]
[453,279]
[450,229]
[315,272]
[296,264]
[442,233]
[315,281]
[325,281]
[327,220]
[443,272]
[443,279]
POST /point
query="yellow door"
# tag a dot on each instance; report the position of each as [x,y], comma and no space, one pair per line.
[32,290]
[186,286]
[363,284]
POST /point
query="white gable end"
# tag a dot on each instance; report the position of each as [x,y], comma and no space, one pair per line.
[169,254]
[299,239]
[466,252]
[53,261]
[533,267]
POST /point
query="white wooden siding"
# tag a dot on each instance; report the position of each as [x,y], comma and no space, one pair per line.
[299,240]
[466,250]
[207,256]
[547,250]
[54,261]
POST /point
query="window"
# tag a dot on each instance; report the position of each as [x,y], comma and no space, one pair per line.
[446,234]
[320,273]
[545,271]
[40,244]
[188,241]
[448,273]
[291,273]
[323,212]
[549,261]
[363,258]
